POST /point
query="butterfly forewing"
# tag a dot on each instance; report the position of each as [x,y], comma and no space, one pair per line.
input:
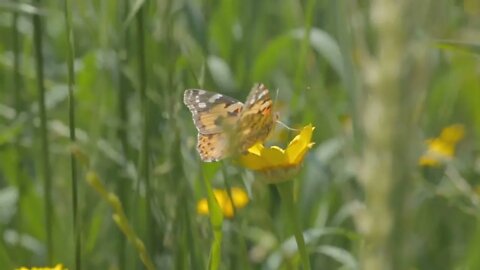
[211,111]
[258,96]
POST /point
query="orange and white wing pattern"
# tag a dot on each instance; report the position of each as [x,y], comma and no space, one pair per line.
[211,113]
[256,120]
[247,123]
[212,147]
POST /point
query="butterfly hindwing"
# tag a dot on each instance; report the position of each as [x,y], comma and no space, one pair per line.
[211,112]
[211,147]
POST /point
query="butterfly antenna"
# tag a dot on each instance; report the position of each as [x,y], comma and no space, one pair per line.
[278,121]
[287,127]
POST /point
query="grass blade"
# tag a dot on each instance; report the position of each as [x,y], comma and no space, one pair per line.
[45,149]
[144,153]
[71,114]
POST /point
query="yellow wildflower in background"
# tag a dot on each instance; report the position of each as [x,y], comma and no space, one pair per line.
[279,164]
[442,148]
[239,198]
[57,267]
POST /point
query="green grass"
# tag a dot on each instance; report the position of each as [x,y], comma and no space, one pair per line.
[106,79]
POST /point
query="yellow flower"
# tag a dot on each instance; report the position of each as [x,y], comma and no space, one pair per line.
[442,148]
[279,164]
[57,267]
[239,198]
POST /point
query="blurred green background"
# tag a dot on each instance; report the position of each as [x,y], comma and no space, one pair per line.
[132,61]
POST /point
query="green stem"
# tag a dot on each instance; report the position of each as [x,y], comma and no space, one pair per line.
[120,218]
[299,75]
[47,184]
[286,192]
[242,252]
[71,115]
[216,249]
[228,188]
[18,108]
[345,42]
[123,87]
[216,220]
[144,155]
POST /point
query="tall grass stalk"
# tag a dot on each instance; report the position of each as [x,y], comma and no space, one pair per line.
[71,115]
[45,149]
[349,76]
[120,218]
[123,86]
[122,55]
[383,150]
[302,59]
[144,154]
[228,187]
[216,221]
[242,249]
[18,108]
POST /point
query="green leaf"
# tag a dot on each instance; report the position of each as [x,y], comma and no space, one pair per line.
[133,11]
[8,201]
[324,45]
[340,255]
[458,46]
[22,8]
[221,73]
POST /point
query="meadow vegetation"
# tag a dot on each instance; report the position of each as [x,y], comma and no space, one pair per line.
[98,166]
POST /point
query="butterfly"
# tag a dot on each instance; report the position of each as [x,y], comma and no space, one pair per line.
[227,126]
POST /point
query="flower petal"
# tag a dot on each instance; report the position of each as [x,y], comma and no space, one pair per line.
[274,156]
[428,161]
[239,197]
[253,162]
[267,157]
[299,145]
[452,134]
[202,207]
[442,148]
[256,149]
[275,164]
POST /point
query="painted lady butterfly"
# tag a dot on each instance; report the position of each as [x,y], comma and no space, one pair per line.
[225,125]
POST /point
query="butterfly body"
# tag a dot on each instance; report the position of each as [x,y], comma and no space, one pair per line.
[227,126]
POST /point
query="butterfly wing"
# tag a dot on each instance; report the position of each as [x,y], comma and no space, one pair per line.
[212,147]
[256,120]
[211,111]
